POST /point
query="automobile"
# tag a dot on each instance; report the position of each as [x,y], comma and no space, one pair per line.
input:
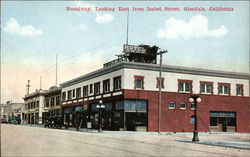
[53,122]
[3,120]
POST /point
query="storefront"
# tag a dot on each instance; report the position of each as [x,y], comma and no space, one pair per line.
[222,121]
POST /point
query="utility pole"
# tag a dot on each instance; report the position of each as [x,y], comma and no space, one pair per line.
[28,87]
[160,86]
[40,82]
[127,27]
[56,70]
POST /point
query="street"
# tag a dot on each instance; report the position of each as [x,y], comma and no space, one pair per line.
[19,140]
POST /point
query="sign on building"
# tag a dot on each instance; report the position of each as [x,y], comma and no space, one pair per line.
[133,49]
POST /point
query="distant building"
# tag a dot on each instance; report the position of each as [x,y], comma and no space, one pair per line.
[12,110]
[129,92]
[34,107]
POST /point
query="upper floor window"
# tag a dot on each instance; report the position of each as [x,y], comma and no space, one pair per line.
[171,105]
[183,105]
[63,96]
[106,86]
[97,88]
[85,91]
[185,86]
[37,103]
[192,106]
[206,87]
[224,88]
[139,82]
[52,101]
[74,93]
[47,102]
[69,94]
[117,83]
[78,92]
[58,100]
[91,88]
[160,81]
[239,89]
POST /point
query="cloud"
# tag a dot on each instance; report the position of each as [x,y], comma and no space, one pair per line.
[13,27]
[196,27]
[104,18]
[81,27]
[84,4]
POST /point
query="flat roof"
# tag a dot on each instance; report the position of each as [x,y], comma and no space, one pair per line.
[155,67]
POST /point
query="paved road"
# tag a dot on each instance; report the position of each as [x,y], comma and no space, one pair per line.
[34,141]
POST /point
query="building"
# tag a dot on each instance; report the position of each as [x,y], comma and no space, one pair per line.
[2,112]
[12,111]
[129,91]
[34,107]
[53,101]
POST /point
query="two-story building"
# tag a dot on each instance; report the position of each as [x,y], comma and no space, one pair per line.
[130,93]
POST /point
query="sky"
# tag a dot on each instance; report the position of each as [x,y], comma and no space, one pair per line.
[34,32]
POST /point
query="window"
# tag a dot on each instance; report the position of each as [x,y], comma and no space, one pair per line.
[192,106]
[91,89]
[74,93]
[69,94]
[158,82]
[224,88]
[106,86]
[117,83]
[85,91]
[47,102]
[52,101]
[97,88]
[171,105]
[64,96]
[185,86]
[239,90]
[58,100]
[206,87]
[78,92]
[37,103]
[139,83]
[183,105]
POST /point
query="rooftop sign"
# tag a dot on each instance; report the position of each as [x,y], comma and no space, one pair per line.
[133,49]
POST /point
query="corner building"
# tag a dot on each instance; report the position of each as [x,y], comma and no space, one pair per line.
[130,92]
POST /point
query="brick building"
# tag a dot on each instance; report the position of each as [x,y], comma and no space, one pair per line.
[129,92]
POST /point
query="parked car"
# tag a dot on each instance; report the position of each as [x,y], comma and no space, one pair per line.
[3,120]
[53,122]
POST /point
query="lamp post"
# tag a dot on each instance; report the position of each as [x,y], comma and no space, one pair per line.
[100,106]
[160,85]
[194,99]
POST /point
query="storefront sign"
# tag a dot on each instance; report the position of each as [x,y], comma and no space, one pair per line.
[133,49]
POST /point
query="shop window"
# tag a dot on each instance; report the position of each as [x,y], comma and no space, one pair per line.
[85,91]
[185,86]
[106,86]
[160,81]
[239,90]
[117,83]
[183,105]
[139,82]
[171,105]
[224,88]
[97,88]
[213,121]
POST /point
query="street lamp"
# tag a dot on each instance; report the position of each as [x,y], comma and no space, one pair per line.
[160,85]
[194,99]
[100,106]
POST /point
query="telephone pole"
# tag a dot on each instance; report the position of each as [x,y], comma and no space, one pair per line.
[28,87]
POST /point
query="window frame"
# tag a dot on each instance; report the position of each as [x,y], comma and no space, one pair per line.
[184,87]
[97,90]
[69,95]
[242,91]
[106,86]
[138,77]
[63,96]
[158,82]
[207,83]
[171,108]
[78,92]
[181,106]
[85,91]
[117,83]
[223,89]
